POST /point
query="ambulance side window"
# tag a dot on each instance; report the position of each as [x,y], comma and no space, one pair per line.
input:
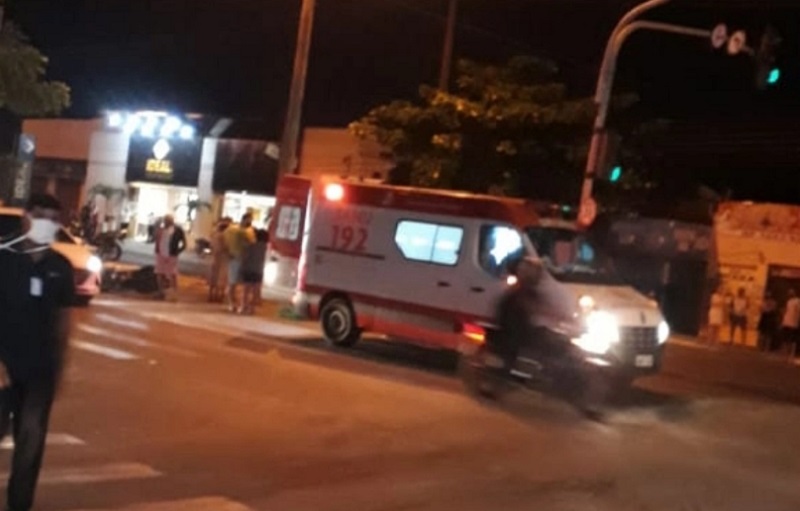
[288,223]
[499,246]
[429,243]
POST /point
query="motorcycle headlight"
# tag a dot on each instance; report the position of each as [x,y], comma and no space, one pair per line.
[94,264]
[602,331]
[663,332]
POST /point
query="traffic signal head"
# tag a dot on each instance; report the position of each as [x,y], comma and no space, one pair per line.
[774,76]
[767,72]
[608,157]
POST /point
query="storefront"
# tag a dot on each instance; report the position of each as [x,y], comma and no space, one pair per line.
[162,175]
[245,176]
[757,246]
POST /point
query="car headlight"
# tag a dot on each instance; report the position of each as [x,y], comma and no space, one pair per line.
[602,331]
[663,332]
[94,264]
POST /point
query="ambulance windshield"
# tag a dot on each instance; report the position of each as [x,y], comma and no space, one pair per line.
[572,258]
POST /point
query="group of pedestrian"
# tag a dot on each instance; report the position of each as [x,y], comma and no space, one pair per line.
[730,307]
[239,254]
[778,327]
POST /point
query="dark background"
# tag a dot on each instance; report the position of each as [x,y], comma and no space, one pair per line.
[244,165]
[233,57]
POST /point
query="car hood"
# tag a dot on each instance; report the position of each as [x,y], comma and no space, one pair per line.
[77,255]
[614,297]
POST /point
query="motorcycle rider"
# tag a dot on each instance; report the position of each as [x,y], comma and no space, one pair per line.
[534,315]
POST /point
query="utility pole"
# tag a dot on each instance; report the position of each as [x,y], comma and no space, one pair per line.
[291,130]
[449,42]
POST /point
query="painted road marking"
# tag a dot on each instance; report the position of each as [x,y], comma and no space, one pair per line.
[135,341]
[53,439]
[127,323]
[227,324]
[105,351]
[95,474]
[197,504]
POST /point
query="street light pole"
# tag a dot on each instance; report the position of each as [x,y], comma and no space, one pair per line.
[291,130]
[449,42]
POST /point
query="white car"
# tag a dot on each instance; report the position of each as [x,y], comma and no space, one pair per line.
[88,268]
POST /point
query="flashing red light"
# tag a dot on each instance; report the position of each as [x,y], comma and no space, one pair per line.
[334,192]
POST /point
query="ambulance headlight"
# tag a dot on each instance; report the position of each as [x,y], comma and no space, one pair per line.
[586,303]
[663,332]
[602,331]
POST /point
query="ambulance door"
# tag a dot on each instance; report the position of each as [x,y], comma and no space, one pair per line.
[491,248]
[421,290]
[288,231]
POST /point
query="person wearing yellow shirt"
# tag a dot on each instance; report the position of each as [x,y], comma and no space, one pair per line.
[237,238]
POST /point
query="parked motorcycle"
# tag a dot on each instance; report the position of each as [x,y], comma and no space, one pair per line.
[567,372]
[109,244]
[202,247]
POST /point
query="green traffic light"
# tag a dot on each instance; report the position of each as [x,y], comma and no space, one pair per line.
[616,174]
[774,76]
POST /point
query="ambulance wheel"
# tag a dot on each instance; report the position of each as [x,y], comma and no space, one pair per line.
[339,323]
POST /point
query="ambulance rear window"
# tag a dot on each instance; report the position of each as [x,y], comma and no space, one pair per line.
[429,243]
[289,223]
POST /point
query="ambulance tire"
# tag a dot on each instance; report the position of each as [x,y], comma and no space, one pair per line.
[339,323]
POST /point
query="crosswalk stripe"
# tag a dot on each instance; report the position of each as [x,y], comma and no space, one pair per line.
[104,350]
[196,504]
[127,323]
[135,341]
[52,439]
[95,474]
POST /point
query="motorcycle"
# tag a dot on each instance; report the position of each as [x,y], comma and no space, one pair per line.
[109,244]
[202,247]
[566,371]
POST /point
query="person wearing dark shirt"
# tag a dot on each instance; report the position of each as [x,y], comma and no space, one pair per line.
[36,291]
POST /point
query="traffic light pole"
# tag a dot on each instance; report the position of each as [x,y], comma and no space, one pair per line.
[605,84]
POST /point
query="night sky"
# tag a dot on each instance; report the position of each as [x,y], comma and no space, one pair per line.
[233,57]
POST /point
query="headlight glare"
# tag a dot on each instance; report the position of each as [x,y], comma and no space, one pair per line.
[94,264]
[663,332]
[602,331]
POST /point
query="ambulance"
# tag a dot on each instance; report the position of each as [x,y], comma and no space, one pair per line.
[428,267]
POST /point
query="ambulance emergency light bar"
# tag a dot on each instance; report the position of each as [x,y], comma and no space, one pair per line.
[150,124]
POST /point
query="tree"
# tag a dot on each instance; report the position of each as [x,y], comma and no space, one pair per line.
[23,91]
[510,129]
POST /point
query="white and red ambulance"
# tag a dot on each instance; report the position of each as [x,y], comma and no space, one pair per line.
[428,266]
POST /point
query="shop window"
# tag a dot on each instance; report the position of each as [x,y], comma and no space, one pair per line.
[429,243]
[500,246]
[289,223]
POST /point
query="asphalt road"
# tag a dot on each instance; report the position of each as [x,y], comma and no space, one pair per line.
[173,407]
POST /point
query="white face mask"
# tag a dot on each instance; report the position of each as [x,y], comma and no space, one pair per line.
[43,231]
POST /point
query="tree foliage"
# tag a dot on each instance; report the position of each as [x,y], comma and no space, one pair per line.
[510,129]
[23,89]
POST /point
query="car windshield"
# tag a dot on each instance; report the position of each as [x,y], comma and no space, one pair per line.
[571,257]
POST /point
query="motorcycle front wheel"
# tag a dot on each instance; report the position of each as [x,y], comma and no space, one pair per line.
[478,380]
[110,252]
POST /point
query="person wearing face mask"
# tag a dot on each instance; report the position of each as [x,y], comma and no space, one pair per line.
[36,291]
